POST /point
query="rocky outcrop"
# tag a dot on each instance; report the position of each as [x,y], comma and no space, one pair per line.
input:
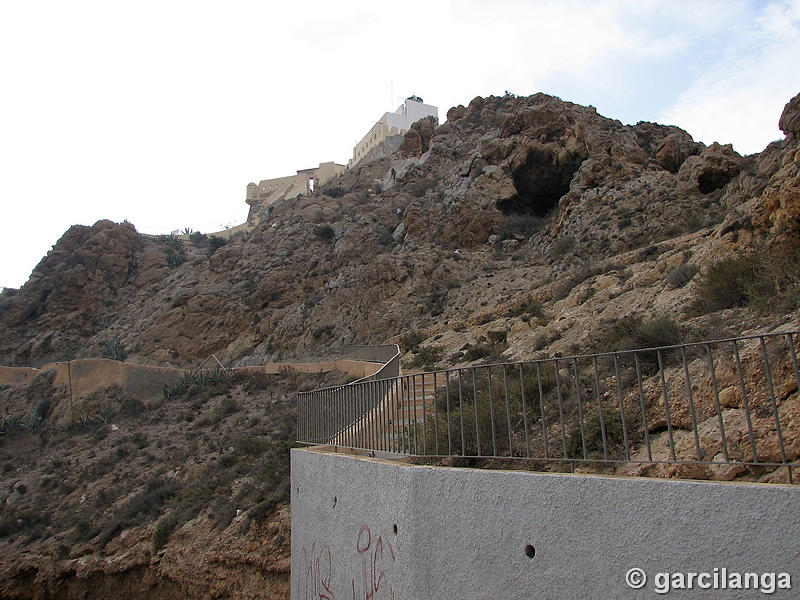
[70,290]
[789,122]
[673,150]
[712,169]
[456,113]
[417,140]
[777,211]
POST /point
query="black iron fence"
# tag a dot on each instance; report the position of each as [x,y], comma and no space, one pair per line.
[723,405]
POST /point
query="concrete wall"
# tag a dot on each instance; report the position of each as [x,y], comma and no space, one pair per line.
[363,528]
[145,382]
[354,368]
[15,376]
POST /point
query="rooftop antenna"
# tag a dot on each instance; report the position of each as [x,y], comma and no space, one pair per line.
[391,93]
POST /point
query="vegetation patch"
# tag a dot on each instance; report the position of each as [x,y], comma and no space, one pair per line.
[766,280]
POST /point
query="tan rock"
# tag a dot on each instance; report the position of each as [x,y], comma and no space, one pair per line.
[456,113]
[777,211]
[519,326]
[789,122]
[729,397]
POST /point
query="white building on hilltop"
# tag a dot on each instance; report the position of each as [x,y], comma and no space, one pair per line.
[390,124]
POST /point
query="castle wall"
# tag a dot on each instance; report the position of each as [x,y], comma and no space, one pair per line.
[390,124]
[269,191]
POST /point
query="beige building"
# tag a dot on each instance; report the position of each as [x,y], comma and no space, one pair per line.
[397,123]
[268,191]
[378,141]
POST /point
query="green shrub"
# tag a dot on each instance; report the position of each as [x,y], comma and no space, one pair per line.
[215,243]
[130,407]
[176,259]
[563,288]
[42,409]
[764,279]
[427,355]
[478,351]
[521,225]
[497,337]
[411,340]
[250,445]
[322,331]
[334,191]
[147,503]
[384,235]
[530,308]
[192,382]
[632,333]
[227,407]
[164,528]
[113,349]
[725,283]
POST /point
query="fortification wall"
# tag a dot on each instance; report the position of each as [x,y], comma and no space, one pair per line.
[366,528]
[269,191]
[391,124]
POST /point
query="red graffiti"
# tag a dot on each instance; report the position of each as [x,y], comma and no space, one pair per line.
[375,560]
[363,542]
[318,573]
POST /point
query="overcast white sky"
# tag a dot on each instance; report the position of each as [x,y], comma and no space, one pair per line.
[161,112]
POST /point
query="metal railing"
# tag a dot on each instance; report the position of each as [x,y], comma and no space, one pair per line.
[329,424]
[728,404]
[388,354]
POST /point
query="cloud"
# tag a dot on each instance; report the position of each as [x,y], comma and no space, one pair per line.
[161,112]
[740,97]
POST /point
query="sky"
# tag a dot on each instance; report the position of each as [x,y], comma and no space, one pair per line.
[160,112]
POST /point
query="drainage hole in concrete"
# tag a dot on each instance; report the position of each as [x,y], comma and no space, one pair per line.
[394,528]
[530,551]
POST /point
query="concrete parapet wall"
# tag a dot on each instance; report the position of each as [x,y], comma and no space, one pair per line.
[355,368]
[17,375]
[146,382]
[365,528]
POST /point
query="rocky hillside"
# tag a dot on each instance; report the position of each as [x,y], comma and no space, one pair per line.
[521,227]
[183,496]
[512,200]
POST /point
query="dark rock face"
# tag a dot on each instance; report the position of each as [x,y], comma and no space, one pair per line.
[540,182]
